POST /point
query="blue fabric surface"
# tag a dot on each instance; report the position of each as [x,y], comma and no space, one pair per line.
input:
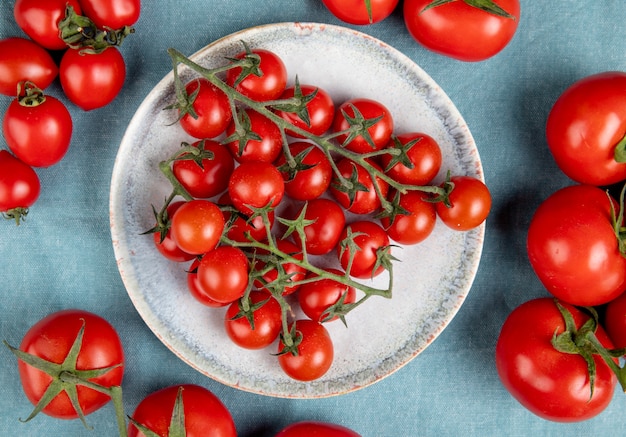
[62,256]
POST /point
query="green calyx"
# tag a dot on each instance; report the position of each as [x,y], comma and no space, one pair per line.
[17,214]
[29,95]
[619,153]
[617,220]
[488,6]
[176,426]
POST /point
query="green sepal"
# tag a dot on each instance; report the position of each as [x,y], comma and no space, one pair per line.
[484,5]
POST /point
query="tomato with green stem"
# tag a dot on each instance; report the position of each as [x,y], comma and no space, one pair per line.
[317,298]
[361,12]
[413,219]
[223,274]
[314,112]
[39,19]
[418,159]
[113,14]
[253,323]
[372,123]
[241,228]
[197,226]
[364,250]
[19,187]
[278,275]
[162,236]
[255,184]
[23,60]
[357,192]
[204,110]
[253,137]
[310,174]
[262,75]
[309,352]
[466,204]
[322,235]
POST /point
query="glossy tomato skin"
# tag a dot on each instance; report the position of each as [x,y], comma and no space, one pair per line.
[19,183]
[585,124]
[265,149]
[211,107]
[315,353]
[371,237]
[112,13]
[365,201]
[39,135]
[615,321]
[309,183]
[255,184]
[355,11]
[460,31]
[166,245]
[269,85]
[211,178]
[329,220]
[223,274]
[197,226]
[241,228]
[267,322]
[316,297]
[417,225]
[205,414]
[573,249]
[316,429]
[321,111]
[296,273]
[51,339]
[39,19]
[551,384]
[24,60]
[470,202]
[195,288]
[380,132]
[425,156]
[92,81]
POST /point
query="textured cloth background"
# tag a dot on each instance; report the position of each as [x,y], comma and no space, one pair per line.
[62,256]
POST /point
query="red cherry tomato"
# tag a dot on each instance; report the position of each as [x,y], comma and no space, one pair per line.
[195,288]
[584,127]
[314,352]
[39,19]
[261,141]
[256,328]
[294,271]
[423,154]
[23,60]
[366,199]
[417,225]
[205,414]
[267,82]
[321,236]
[312,175]
[92,81]
[211,110]
[165,244]
[356,11]
[317,297]
[255,184]
[19,186]
[370,239]
[223,274]
[241,228]
[615,321]
[313,428]
[114,14]
[365,111]
[209,178]
[462,31]
[319,112]
[470,203]
[197,226]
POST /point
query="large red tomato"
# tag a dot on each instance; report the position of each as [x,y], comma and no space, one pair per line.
[39,19]
[19,187]
[24,60]
[359,11]
[462,29]
[615,320]
[114,14]
[587,127]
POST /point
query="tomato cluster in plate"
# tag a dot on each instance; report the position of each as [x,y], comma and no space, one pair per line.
[37,127]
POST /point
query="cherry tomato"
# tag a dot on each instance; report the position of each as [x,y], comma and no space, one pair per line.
[553,385]
[585,127]
[205,414]
[24,60]
[164,242]
[267,80]
[321,236]
[210,112]
[573,248]
[363,112]
[39,19]
[356,11]
[470,203]
[39,131]
[313,355]
[223,274]
[92,81]
[114,14]
[19,186]
[365,200]
[317,297]
[311,176]
[241,228]
[256,328]
[417,225]
[208,177]
[314,428]
[317,115]
[255,184]
[51,339]
[260,141]
[462,29]
[615,321]
[294,272]
[197,226]
[422,153]
[195,288]
[370,240]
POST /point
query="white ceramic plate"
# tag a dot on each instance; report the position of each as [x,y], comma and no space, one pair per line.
[431,281]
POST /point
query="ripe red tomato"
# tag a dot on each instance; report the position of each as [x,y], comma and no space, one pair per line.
[255,184]
[265,80]
[210,112]
[317,115]
[294,272]
[417,225]
[462,29]
[321,236]
[312,175]
[164,242]
[573,248]
[615,321]
[423,156]
[356,11]
[114,14]
[39,19]
[223,274]
[19,186]
[206,177]
[470,203]
[256,328]
[551,384]
[205,414]
[51,339]
[260,141]
[24,60]
[38,131]
[370,239]
[585,127]
[92,81]
[313,428]
[241,228]
[365,200]
[317,297]
[197,226]
[313,355]
[363,112]
[195,288]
